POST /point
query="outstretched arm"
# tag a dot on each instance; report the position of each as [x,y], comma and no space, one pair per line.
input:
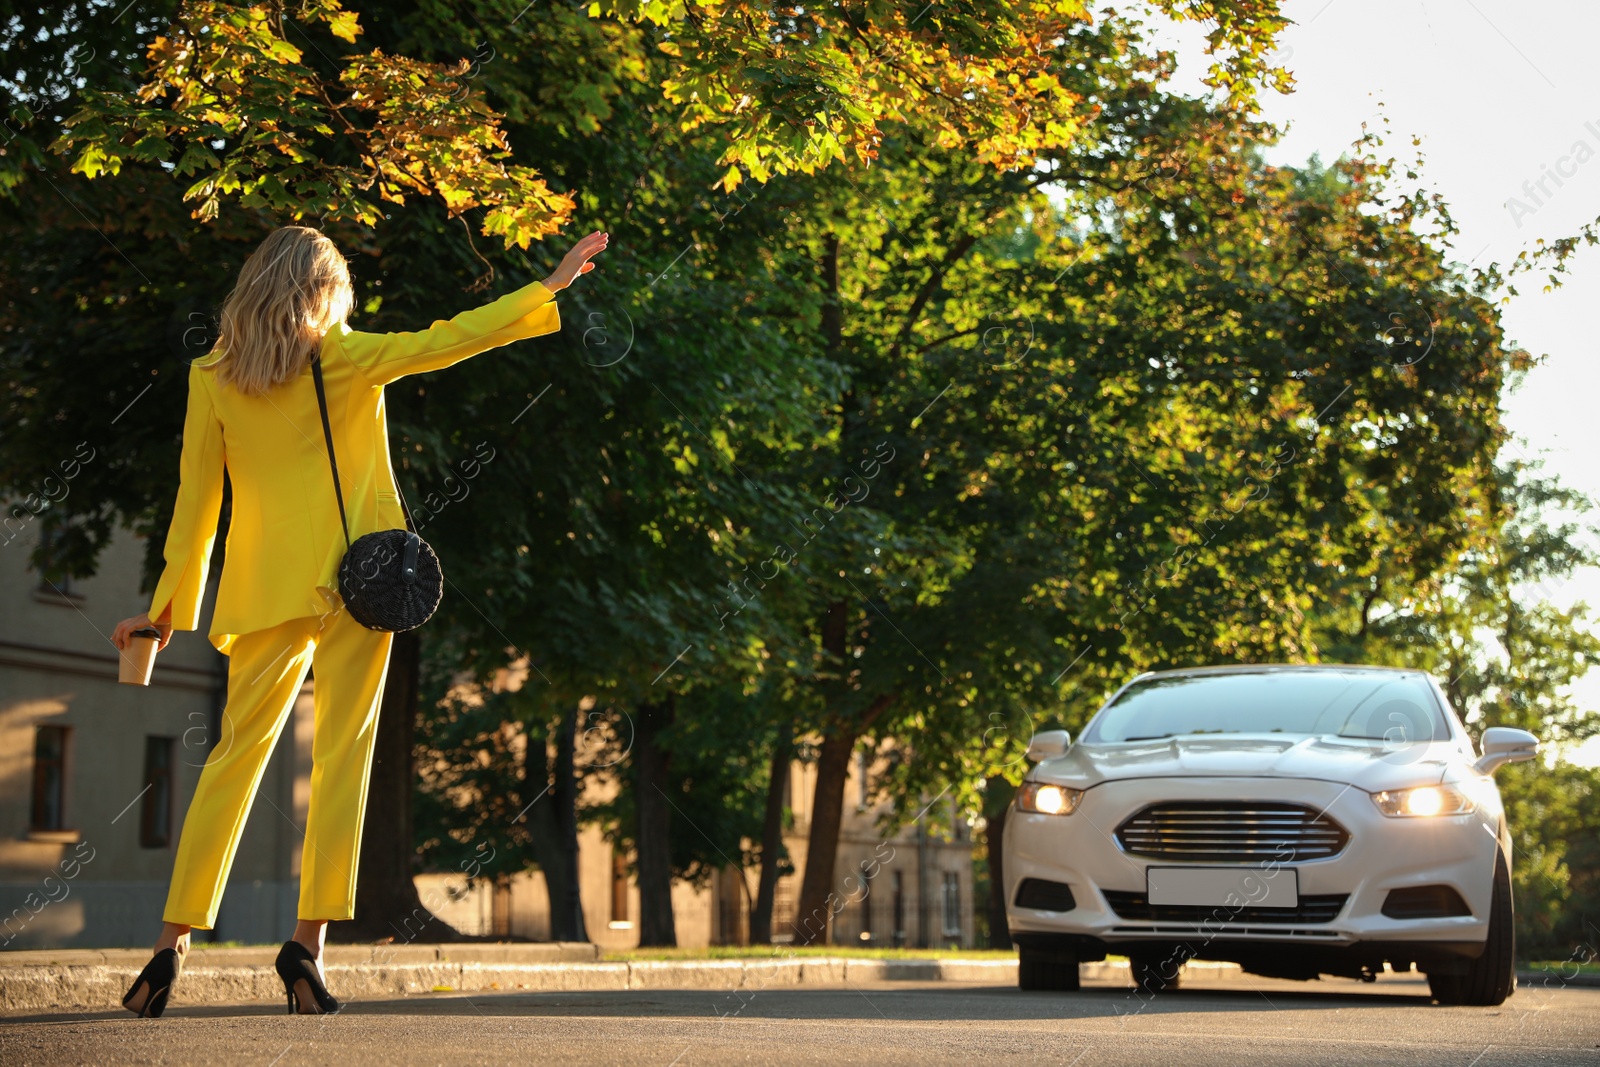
[528,312]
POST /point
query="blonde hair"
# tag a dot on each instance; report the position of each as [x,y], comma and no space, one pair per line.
[291,292]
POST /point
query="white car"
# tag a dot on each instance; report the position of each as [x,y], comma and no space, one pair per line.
[1298,821]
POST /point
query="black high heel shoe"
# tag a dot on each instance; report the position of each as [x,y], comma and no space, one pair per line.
[296,964]
[158,977]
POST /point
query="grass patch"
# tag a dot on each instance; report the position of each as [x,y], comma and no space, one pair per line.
[783,952]
[1561,968]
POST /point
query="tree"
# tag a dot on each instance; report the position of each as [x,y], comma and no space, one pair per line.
[1051,392]
[387,903]
[408,274]
[606,569]
[513,805]
[774,858]
[998,794]
[1200,438]
[1507,655]
[229,101]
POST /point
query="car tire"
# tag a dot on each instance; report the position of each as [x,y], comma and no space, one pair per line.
[1491,977]
[1151,972]
[1046,972]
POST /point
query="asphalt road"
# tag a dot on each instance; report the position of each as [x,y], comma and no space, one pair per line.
[1240,1021]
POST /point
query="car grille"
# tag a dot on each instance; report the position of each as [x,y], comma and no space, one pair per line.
[1232,832]
[1311,909]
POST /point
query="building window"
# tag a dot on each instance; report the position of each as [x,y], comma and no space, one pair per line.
[619,892]
[500,906]
[61,589]
[783,909]
[866,899]
[898,909]
[729,900]
[55,583]
[952,904]
[50,778]
[155,820]
[861,779]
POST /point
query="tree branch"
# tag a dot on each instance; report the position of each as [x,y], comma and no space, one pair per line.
[934,279]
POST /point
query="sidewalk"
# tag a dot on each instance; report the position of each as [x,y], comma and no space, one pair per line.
[94,980]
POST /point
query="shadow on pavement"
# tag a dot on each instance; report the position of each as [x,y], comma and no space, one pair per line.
[901,1002]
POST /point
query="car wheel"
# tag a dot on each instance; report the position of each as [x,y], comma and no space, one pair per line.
[1047,972]
[1491,977]
[1156,972]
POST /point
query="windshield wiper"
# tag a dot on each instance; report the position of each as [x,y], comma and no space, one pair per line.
[1152,737]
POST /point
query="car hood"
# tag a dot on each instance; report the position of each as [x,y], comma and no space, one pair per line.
[1369,765]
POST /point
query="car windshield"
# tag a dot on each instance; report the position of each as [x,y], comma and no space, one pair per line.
[1393,707]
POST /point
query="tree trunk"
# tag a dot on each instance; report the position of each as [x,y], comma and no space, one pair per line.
[817,898]
[552,789]
[565,794]
[832,312]
[771,843]
[652,834]
[996,808]
[387,903]
[925,932]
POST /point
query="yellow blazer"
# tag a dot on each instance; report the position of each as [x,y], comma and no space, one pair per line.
[284,539]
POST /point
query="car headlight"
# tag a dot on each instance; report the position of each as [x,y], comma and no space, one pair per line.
[1424,801]
[1039,798]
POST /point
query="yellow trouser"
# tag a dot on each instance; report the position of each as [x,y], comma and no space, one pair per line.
[265,672]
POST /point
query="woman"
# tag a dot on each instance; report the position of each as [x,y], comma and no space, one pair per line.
[252,410]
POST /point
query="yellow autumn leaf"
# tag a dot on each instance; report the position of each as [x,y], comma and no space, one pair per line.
[94,162]
[344,26]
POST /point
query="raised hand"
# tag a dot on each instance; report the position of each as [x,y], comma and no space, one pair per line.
[576,261]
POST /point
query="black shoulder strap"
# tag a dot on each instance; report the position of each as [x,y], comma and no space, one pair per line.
[327,433]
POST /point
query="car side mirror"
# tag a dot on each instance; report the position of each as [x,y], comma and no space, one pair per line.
[1502,745]
[1049,745]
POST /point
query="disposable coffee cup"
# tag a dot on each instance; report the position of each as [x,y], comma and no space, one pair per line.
[139,658]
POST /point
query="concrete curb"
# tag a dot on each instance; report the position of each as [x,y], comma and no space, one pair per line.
[38,982]
[263,955]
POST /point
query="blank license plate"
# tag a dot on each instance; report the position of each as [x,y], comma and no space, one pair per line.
[1230,887]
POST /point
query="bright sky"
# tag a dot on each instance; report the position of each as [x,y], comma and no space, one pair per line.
[1502,95]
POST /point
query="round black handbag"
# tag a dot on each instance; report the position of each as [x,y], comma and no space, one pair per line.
[389,580]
